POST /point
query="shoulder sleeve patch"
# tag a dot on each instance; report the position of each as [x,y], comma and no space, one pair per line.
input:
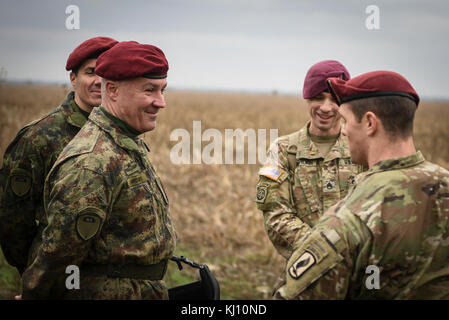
[20,182]
[301,265]
[88,223]
[262,192]
[273,173]
[316,256]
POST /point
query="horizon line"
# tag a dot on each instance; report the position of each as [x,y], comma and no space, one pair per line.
[272,92]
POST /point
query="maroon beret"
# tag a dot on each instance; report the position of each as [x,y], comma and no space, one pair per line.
[91,48]
[130,59]
[315,81]
[371,84]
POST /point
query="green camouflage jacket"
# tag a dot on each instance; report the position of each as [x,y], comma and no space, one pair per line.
[292,201]
[26,163]
[396,221]
[105,205]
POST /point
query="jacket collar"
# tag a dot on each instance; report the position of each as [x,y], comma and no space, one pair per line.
[72,111]
[398,163]
[308,150]
[137,144]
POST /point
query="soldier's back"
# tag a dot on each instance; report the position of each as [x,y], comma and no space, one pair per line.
[27,161]
[407,213]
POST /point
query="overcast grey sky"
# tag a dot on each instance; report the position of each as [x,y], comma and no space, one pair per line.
[244,45]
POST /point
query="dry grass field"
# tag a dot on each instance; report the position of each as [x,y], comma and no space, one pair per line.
[212,205]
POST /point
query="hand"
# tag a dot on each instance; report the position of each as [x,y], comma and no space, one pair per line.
[19,297]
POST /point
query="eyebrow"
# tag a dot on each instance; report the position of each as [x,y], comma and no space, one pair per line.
[318,96]
[150,84]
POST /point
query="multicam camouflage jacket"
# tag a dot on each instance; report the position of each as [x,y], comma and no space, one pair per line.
[293,199]
[26,163]
[395,219]
[105,205]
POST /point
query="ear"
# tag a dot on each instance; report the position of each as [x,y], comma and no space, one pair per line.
[372,123]
[112,88]
[73,79]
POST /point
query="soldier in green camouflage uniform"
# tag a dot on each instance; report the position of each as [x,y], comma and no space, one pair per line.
[107,210]
[32,153]
[307,171]
[396,218]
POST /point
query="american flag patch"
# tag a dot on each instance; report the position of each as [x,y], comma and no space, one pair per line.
[270,172]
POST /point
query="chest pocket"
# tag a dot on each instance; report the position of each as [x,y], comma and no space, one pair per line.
[151,183]
[306,186]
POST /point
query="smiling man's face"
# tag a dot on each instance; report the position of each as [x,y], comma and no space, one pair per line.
[87,86]
[324,116]
[139,100]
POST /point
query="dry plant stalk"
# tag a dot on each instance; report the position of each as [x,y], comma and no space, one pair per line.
[213,205]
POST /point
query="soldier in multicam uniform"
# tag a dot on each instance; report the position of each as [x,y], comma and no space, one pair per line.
[307,171]
[32,153]
[395,219]
[107,210]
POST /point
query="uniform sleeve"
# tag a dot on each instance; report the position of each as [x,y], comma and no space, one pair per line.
[23,178]
[274,199]
[76,201]
[329,260]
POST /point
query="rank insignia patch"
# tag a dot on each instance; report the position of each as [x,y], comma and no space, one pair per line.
[330,185]
[137,179]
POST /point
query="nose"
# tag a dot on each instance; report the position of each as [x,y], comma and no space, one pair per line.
[328,105]
[159,101]
[97,81]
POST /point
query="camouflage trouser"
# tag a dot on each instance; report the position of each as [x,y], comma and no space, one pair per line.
[104,288]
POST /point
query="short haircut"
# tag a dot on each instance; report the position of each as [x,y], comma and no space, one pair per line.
[76,69]
[396,113]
